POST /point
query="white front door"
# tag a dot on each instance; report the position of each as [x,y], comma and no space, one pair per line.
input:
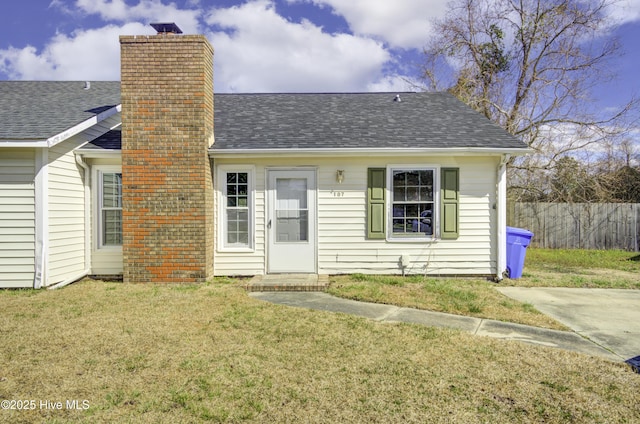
[291,221]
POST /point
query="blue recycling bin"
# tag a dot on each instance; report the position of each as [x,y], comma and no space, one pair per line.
[517,242]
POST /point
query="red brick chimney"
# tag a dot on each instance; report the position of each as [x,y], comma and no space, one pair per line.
[167,128]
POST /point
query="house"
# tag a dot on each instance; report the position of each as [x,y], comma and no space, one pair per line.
[152,179]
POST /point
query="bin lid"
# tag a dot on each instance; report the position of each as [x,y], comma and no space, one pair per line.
[519,232]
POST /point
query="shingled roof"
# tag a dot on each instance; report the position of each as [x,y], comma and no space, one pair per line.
[352,120]
[38,110]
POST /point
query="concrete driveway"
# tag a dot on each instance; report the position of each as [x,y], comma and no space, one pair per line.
[608,317]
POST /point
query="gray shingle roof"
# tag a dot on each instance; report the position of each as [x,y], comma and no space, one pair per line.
[37,110]
[363,120]
[34,110]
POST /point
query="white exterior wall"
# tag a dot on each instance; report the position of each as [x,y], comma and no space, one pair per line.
[17,217]
[342,219]
[67,206]
[105,260]
[66,213]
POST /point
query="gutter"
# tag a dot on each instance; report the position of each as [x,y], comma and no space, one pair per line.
[87,213]
[365,152]
[501,210]
[98,154]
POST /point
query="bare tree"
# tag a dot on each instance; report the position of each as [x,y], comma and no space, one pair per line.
[530,66]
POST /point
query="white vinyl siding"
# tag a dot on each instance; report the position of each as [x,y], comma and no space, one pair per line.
[66,213]
[342,243]
[17,217]
[67,232]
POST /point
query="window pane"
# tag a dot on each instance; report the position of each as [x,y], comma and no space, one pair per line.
[111,227]
[112,190]
[412,178]
[399,177]
[399,194]
[111,209]
[412,205]
[237,212]
[413,194]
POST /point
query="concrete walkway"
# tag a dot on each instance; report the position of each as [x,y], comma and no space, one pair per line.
[608,317]
[481,327]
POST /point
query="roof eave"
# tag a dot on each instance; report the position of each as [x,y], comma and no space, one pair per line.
[23,143]
[59,138]
[391,151]
[66,134]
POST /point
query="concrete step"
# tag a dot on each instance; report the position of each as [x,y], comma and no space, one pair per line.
[288,282]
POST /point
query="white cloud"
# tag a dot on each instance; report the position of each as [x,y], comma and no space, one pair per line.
[401,23]
[625,11]
[145,11]
[256,50]
[85,55]
[260,51]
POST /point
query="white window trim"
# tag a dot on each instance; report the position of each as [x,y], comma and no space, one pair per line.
[222,202]
[96,177]
[436,202]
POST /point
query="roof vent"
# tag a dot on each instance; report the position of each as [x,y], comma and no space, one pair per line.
[397,98]
[166,28]
[87,85]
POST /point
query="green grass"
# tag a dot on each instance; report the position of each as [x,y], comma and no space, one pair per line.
[210,353]
[478,297]
[580,268]
[562,259]
[461,296]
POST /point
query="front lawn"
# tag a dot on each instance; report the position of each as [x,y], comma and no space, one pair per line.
[210,353]
[477,296]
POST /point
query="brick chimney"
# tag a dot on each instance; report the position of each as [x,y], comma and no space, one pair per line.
[167,128]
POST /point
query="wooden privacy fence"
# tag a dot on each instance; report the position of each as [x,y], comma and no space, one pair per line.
[579,225]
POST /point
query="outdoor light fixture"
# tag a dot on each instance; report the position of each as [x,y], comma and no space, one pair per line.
[340,176]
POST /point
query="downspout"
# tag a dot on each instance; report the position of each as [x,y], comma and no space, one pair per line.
[41,217]
[501,209]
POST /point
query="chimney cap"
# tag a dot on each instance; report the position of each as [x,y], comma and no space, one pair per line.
[166,27]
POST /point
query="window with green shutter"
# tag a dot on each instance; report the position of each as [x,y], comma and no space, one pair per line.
[411,212]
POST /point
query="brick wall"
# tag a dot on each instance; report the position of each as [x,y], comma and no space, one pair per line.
[167,128]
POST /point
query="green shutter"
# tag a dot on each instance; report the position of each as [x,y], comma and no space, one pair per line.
[376,180]
[450,203]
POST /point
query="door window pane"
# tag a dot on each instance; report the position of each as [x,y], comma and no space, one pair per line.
[292,215]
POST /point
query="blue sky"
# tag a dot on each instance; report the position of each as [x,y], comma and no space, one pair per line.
[261,45]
